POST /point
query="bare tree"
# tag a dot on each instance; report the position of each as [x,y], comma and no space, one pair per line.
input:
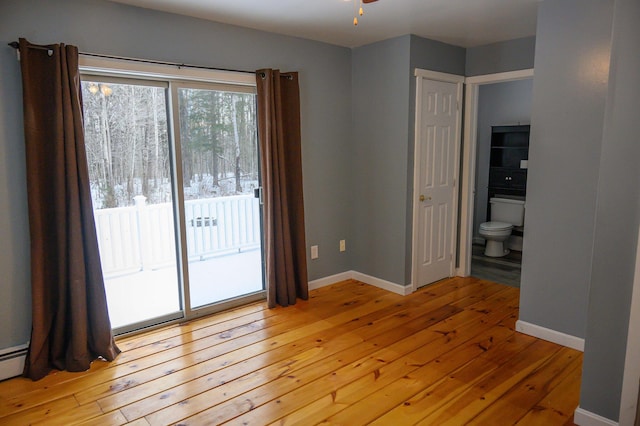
[127,142]
[236,139]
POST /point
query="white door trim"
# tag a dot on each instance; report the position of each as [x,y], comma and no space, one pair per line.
[469,158]
[421,75]
[439,76]
[500,77]
[631,376]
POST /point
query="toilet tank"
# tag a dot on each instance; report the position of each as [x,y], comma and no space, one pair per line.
[507,210]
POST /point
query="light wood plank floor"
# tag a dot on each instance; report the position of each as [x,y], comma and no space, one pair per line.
[353,354]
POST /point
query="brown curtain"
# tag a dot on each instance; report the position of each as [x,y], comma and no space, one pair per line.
[70,321]
[281,169]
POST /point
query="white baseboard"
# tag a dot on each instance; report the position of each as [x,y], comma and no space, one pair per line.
[554,336]
[383,284]
[12,361]
[583,417]
[367,279]
[323,282]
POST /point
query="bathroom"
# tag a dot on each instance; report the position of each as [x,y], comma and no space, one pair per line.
[504,114]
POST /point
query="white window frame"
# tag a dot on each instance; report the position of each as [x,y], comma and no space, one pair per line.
[90,64]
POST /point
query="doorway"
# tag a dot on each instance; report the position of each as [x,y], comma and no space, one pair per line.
[504,117]
[173,166]
[469,190]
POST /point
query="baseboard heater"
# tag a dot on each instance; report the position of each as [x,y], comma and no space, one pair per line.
[12,361]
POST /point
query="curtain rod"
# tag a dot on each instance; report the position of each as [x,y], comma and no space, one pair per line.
[16,46]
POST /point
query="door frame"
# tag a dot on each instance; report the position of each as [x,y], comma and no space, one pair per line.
[421,75]
[469,145]
[631,372]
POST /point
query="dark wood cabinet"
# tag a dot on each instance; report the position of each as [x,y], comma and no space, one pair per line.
[509,147]
[508,179]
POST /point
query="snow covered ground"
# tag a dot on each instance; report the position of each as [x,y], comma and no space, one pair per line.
[149,294]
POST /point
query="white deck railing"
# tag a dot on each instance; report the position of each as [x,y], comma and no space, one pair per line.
[142,236]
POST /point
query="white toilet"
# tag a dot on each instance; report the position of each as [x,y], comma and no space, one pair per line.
[505,214]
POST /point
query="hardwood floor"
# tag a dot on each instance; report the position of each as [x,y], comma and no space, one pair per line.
[353,354]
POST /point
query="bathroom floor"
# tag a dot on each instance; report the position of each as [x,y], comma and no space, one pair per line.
[503,270]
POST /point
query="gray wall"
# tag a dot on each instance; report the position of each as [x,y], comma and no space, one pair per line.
[15,287]
[381,81]
[616,225]
[499,104]
[569,92]
[109,28]
[504,56]
[383,123]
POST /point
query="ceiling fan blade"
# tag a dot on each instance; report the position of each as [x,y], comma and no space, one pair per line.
[368,1]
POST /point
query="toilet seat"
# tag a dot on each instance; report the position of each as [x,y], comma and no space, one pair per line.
[496,226]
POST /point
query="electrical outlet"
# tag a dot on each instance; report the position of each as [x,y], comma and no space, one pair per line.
[343,245]
[314,252]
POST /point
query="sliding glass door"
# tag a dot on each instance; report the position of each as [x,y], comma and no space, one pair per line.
[173,169]
[128,153]
[220,175]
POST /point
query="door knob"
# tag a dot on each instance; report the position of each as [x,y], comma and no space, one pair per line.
[422,198]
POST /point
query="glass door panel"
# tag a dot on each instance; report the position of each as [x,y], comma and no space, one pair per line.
[220,171]
[128,155]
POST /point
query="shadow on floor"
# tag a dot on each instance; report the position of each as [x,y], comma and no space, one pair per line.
[503,270]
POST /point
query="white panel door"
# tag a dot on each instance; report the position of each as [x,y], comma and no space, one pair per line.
[436,162]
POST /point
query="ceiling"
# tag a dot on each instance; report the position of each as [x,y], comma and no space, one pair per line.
[465,23]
